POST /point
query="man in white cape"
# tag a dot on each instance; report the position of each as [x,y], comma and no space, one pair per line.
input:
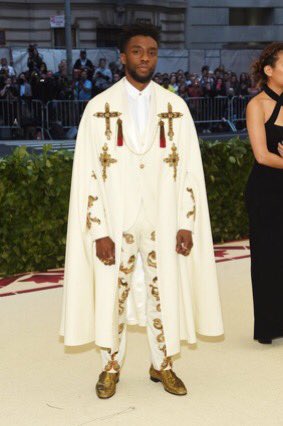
[138,206]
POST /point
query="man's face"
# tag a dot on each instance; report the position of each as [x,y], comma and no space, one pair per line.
[83,55]
[3,62]
[140,58]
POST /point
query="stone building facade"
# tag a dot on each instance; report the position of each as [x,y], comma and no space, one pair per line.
[95,23]
[193,32]
[233,24]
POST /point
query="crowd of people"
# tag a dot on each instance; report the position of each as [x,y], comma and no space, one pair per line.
[37,82]
[88,79]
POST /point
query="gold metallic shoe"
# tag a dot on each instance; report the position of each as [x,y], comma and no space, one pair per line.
[170,381]
[106,385]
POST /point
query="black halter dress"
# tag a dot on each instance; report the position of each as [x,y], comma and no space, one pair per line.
[264,201]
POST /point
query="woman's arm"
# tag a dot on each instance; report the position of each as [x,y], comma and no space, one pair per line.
[280,149]
[257,135]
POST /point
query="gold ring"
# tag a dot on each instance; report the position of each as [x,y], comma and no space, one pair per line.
[108,261]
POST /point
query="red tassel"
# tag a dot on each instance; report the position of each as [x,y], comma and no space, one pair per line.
[120,133]
[162,137]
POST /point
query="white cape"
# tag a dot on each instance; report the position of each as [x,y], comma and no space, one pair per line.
[187,285]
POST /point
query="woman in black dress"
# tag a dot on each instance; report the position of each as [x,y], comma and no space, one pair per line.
[264,194]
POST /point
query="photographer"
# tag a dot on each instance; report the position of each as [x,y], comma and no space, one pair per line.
[64,90]
[46,87]
[34,60]
[9,91]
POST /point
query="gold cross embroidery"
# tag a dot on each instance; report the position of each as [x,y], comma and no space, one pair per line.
[170,115]
[107,115]
[106,160]
[173,159]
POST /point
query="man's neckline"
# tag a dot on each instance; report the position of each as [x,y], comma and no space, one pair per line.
[134,91]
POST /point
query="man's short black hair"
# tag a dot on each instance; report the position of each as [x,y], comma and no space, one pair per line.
[133,30]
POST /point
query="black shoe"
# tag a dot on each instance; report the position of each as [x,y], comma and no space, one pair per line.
[265,341]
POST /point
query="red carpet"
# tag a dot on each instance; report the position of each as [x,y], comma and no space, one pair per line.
[37,281]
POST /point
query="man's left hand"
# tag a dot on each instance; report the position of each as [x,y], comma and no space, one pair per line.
[184,242]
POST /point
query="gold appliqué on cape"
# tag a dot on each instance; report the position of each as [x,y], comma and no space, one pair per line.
[106,160]
[107,114]
[173,160]
[91,200]
[170,115]
[89,219]
[193,211]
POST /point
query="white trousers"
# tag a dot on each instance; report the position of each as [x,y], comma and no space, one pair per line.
[140,238]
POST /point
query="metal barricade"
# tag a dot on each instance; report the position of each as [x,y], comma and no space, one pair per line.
[22,117]
[9,118]
[206,111]
[19,116]
[238,108]
[65,113]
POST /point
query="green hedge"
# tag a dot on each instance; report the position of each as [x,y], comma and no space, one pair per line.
[227,165]
[34,197]
[34,194]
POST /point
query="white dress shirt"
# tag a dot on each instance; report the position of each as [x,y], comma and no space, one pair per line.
[139,103]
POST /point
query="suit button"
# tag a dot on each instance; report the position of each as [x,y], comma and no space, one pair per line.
[141,166]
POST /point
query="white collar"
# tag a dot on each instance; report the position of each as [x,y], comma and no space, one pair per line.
[135,93]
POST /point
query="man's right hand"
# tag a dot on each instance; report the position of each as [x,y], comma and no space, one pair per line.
[105,250]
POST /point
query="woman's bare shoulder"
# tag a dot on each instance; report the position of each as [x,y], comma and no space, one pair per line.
[260,107]
[260,98]
[258,102]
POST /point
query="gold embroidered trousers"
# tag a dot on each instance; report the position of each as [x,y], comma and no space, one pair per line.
[140,238]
